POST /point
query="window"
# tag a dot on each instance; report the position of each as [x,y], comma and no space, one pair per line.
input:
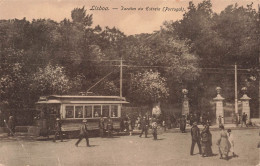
[105,110]
[114,110]
[79,112]
[88,112]
[69,111]
[97,110]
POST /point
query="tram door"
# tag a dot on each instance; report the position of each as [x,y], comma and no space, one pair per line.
[52,115]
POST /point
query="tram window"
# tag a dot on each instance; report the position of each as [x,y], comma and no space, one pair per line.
[69,111]
[88,111]
[79,112]
[105,110]
[114,111]
[97,110]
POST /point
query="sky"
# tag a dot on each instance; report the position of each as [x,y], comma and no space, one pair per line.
[128,21]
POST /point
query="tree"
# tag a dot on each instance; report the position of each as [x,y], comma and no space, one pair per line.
[149,86]
[50,80]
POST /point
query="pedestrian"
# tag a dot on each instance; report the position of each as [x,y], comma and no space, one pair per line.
[11,126]
[101,126]
[191,119]
[195,138]
[144,127]
[237,119]
[138,122]
[154,128]
[219,121]
[183,124]
[164,125]
[1,119]
[223,144]
[58,130]
[206,142]
[83,133]
[244,118]
[208,119]
[130,125]
[232,143]
[109,127]
[126,124]
[204,119]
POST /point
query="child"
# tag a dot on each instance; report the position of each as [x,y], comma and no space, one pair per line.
[231,140]
[164,125]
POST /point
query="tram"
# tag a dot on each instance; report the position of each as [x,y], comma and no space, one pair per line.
[71,110]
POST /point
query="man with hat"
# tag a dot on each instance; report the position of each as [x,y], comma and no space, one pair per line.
[58,130]
[83,133]
[195,137]
[144,126]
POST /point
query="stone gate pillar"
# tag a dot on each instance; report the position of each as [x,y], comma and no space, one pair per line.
[245,103]
[185,103]
[219,106]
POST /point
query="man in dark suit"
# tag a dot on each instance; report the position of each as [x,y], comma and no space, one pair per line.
[183,124]
[101,126]
[195,136]
[109,127]
[58,130]
[144,126]
[83,133]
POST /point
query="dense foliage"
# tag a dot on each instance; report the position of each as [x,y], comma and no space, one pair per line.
[42,57]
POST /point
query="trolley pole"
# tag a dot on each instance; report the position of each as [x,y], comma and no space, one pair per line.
[236,103]
[121,76]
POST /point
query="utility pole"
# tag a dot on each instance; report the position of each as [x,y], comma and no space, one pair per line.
[236,103]
[121,77]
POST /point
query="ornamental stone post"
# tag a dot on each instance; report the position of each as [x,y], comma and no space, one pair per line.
[219,106]
[245,103]
[185,103]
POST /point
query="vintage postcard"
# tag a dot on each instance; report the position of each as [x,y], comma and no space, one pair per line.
[129,82]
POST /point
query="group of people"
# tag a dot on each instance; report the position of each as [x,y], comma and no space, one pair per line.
[145,125]
[203,139]
[103,128]
[84,130]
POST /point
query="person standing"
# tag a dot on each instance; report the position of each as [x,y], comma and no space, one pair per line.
[58,130]
[164,125]
[1,119]
[195,137]
[101,126]
[11,126]
[223,143]
[183,124]
[219,121]
[83,133]
[131,125]
[206,142]
[191,119]
[110,127]
[244,118]
[144,127]
[154,128]
[231,141]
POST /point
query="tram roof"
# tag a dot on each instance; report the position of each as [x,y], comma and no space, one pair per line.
[82,99]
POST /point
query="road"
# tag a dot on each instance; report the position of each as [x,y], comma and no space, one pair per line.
[171,149]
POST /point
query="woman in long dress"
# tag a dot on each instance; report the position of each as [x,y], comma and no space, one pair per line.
[206,142]
[223,144]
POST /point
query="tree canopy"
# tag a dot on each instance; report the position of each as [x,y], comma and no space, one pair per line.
[45,56]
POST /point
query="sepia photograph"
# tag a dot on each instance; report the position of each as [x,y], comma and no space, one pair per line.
[129,82]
